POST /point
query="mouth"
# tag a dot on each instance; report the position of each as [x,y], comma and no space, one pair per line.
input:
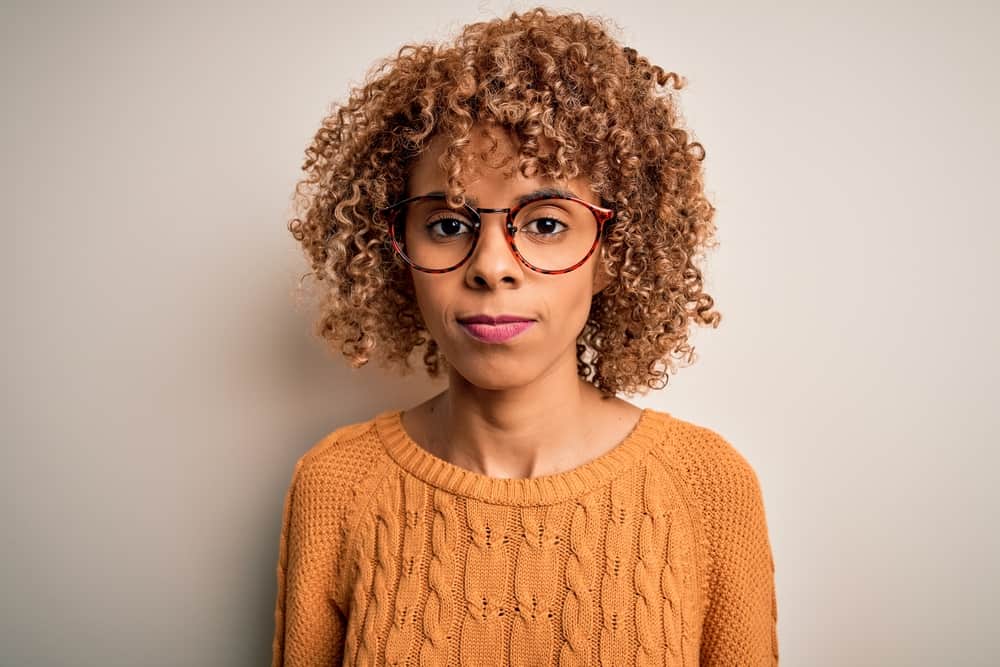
[495,329]
[494,319]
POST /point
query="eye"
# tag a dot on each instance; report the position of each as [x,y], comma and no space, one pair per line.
[545,227]
[448,227]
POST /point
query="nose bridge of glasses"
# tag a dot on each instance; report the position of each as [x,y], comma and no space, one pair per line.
[502,244]
[481,211]
[501,231]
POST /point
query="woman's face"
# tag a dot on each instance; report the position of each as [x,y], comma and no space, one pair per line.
[493,281]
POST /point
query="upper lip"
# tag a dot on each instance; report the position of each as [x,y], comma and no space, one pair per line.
[494,319]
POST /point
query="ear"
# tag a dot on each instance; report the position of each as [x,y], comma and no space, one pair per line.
[602,277]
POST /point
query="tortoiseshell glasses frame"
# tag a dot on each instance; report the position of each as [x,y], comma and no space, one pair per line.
[603,216]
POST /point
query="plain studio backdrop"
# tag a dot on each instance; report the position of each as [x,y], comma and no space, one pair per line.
[161,381]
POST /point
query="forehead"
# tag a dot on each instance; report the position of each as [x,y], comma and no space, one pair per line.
[493,159]
[489,147]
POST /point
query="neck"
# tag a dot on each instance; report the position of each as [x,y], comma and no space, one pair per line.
[539,429]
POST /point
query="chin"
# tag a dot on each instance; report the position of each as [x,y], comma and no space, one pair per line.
[491,376]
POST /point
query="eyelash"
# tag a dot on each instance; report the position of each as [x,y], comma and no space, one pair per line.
[541,219]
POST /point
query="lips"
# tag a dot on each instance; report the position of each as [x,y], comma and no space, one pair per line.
[495,328]
[494,319]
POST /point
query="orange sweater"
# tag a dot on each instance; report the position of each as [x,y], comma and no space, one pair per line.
[655,553]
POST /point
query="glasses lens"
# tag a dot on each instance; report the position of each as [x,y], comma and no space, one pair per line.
[554,234]
[435,235]
[551,234]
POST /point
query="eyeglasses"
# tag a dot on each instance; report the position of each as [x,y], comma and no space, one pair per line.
[554,233]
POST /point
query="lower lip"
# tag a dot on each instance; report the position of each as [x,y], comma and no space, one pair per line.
[495,333]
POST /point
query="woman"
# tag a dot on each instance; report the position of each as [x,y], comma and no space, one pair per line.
[523,206]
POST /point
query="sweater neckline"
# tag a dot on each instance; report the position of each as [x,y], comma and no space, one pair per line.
[543,490]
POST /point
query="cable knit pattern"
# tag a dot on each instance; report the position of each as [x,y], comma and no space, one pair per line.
[533,639]
[487,570]
[655,553]
[407,615]
[439,609]
[581,566]
[616,586]
[652,554]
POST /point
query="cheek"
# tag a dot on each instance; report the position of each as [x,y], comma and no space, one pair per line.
[584,294]
[583,287]
[431,299]
[567,304]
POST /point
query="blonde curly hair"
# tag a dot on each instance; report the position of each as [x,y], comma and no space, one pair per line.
[553,79]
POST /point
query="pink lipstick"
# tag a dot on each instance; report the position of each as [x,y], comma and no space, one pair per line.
[495,329]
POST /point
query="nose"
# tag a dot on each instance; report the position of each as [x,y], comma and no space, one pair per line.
[493,263]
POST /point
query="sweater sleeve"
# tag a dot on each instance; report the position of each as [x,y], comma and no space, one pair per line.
[308,625]
[740,625]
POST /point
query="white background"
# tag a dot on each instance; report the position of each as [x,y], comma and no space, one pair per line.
[160,380]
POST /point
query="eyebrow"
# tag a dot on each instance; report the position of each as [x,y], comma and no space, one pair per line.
[540,192]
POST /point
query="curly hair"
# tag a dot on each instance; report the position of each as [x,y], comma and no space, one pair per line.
[555,79]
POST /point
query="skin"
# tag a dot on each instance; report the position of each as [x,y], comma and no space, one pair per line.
[516,409]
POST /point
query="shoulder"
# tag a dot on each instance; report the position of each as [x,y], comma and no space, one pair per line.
[723,487]
[709,463]
[347,446]
[337,462]
[718,480]
[737,562]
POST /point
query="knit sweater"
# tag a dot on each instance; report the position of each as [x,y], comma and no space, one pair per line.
[655,553]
